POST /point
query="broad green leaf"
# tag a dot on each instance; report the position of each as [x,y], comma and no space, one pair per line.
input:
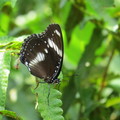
[78,17]
[77,45]
[2,2]
[117,2]
[4,28]
[115,65]
[112,101]
[5,40]
[97,9]
[4,74]
[95,6]
[5,59]
[49,107]
[13,2]
[82,71]
[11,43]
[104,3]
[115,84]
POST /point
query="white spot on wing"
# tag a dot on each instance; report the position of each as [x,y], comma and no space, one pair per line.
[60,52]
[46,51]
[55,47]
[47,45]
[26,63]
[57,32]
[37,35]
[40,57]
[50,42]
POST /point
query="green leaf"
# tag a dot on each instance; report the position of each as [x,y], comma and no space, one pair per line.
[117,2]
[97,9]
[4,28]
[95,6]
[2,2]
[4,74]
[115,65]
[13,2]
[104,3]
[112,101]
[11,43]
[5,59]
[5,40]
[82,71]
[115,84]
[51,110]
[78,17]
[10,114]
[79,39]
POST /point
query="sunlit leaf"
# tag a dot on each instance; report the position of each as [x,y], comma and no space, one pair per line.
[10,114]
[112,102]
[5,59]
[115,84]
[13,2]
[115,65]
[49,105]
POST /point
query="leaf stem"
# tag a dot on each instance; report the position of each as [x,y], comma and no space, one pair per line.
[103,82]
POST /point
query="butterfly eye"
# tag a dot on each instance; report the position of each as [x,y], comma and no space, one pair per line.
[42,54]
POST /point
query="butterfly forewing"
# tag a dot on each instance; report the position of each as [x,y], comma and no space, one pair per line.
[55,42]
[43,53]
[54,32]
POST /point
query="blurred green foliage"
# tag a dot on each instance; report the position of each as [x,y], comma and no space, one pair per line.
[91,69]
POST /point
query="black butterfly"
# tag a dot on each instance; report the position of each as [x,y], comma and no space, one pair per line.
[43,53]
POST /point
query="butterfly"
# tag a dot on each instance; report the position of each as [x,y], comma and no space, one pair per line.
[43,53]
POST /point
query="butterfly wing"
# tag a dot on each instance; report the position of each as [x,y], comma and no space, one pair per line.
[56,44]
[43,53]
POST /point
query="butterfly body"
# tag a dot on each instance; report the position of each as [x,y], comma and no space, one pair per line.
[42,54]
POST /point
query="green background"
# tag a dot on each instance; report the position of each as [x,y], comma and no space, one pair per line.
[90,84]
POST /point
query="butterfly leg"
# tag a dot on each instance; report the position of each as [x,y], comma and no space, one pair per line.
[58,86]
[57,82]
[37,83]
